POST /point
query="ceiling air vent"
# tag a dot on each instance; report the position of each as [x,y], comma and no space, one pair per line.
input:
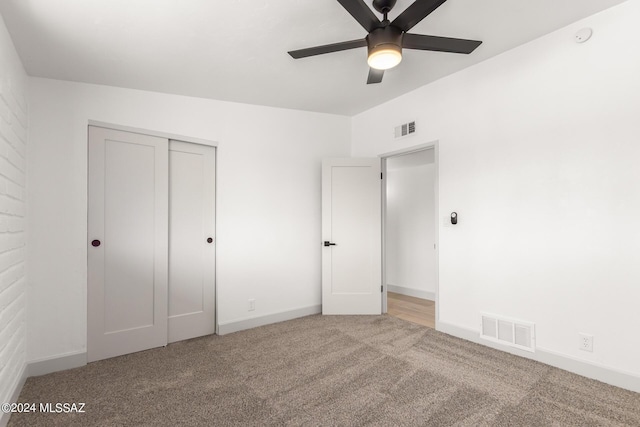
[405,129]
[514,333]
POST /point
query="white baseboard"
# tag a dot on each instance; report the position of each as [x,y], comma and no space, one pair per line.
[587,369]
[14,395]
[252,322]
[78,359]
[57,363]
[42,367]
[410,292]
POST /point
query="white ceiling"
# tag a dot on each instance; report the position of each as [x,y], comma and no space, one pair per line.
[236,50]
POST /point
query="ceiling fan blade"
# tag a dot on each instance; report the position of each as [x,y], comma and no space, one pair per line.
[375,76]
[440,44]
[416,13]
[361,12]
[327,48]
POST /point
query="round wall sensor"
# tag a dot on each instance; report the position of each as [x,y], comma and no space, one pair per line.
[583,35]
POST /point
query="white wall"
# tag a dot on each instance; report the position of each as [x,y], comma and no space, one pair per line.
[539,156]
[268,200]
[410,222]
[13,139]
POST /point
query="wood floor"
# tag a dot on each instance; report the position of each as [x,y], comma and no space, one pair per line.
[412,309]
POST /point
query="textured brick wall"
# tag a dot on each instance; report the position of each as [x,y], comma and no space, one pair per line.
[13,138]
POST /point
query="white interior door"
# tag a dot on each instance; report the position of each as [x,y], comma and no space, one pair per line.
[351,231]
[127,243]
[191,240]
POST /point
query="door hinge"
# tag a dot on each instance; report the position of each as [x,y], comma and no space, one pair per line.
[381,288]
[380,175]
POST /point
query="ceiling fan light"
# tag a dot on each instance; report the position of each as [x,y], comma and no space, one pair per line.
[384,56]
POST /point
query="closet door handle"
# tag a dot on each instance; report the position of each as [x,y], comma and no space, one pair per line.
[209,240]
[95,243]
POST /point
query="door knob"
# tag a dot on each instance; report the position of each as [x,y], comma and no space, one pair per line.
[326,243]
[209,240]
[95,243]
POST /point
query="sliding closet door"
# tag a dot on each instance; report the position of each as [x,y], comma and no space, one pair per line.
[191,240]
[127,242]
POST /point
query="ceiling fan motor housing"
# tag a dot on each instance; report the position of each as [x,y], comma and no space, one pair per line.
[388,36]
[384,47]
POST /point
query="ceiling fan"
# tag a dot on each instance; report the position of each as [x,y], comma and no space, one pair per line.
[386,39]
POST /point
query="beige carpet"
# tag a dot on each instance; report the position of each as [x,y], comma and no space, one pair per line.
[328,371]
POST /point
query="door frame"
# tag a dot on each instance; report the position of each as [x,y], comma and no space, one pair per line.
[433,145]
[182,138]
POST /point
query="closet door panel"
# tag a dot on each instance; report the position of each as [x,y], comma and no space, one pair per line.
[191,240]
[127,243]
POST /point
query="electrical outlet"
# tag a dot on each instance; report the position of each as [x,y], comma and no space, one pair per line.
[252,304]
[585,342]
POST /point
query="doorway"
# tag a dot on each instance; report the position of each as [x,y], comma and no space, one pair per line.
[410,235]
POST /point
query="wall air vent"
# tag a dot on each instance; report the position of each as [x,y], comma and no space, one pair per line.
[405,129]
[511,332]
